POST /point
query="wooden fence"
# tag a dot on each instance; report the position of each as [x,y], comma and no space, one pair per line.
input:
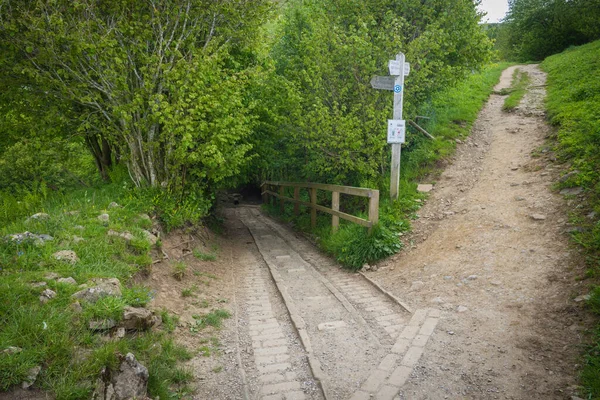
[276,189]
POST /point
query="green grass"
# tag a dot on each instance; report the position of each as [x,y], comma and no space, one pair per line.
[450,115]
[204,256]
[573,104]
[179,269]
[54,335]
[518,88]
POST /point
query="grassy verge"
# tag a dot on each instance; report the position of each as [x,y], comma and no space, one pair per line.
[450,115]
[518,88]
[54,334]
[573,104]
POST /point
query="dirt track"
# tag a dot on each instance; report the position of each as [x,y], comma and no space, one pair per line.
[505,280]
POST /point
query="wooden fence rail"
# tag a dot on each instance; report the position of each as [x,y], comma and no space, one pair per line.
[276,189]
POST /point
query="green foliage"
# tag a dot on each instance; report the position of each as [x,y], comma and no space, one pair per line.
[108,307]
[535,29]
[179,270]
[52,334]
[214,318]
[204,256]
[137,296]
[160,87]
[353,246]
[519,84]
[450,114]
[328,50]
[573,103]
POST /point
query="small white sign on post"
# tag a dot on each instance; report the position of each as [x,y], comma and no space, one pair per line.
[406,69]
[396,131]
[395,67]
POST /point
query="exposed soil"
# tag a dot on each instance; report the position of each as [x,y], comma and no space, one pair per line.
[490,248]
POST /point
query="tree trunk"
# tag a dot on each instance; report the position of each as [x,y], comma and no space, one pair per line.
[102,153]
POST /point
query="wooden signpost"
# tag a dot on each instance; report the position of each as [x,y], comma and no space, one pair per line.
[396,126]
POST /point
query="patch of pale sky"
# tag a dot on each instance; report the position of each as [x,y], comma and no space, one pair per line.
[495,9]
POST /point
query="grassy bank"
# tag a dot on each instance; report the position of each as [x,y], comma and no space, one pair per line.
[57,336]
[449,116]
[518,88]
[573,104]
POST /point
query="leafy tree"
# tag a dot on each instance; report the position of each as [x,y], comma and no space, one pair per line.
[160,86]
[329,49]
[535,29]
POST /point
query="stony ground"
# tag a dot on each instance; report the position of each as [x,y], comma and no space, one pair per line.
[480,305]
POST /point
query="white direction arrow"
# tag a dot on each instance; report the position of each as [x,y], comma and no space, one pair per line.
[383,82]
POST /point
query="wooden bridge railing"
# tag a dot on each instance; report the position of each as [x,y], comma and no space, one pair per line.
[373,195]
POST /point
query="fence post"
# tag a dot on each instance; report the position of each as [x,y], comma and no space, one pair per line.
[313,210]
[335,206]
[374,208]
[265,197]
[297,198]
[281,201]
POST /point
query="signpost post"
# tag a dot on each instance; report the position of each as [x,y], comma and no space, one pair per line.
[396,126]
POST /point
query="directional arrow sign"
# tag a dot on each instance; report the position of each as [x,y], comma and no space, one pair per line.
[383,82]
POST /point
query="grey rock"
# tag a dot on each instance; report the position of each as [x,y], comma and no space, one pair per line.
[51,275]
[32,375]
[102,324]
[437,300]
[79,227]
[113,205]
[129,382]
[125,235]
[472,277]
[76,307]
[461,309]
[72,213]
[150,237]
[137,318]
[416,285]
[374,268]
[66,255]
[12,350]
[119,333]
[68,280]
[571,191]
[591,215]
[567,176]
[583,297]
[366,267]
[101,287]
[37,284]
[77,239]
[538,217]
[496,283]
[39,216]
[47,295]
[40,239]
[424,188]
[103,217]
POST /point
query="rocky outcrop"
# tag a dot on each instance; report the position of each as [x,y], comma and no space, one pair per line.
[102,287]
[66,255]
[47,295]
[125,235]
[129,382]
[137,318]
